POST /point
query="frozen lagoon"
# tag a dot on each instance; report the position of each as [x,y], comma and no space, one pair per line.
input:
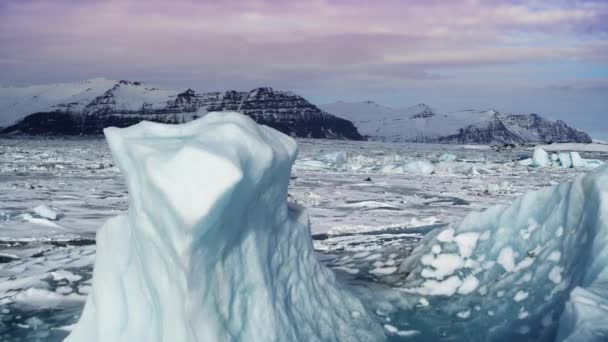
[362,227]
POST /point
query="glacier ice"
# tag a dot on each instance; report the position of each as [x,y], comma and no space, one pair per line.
[448,157]
[422,167]
[211,251]
[338,159]
[572,159]
[46,212]
[537,268]
[540,157]
[576,160]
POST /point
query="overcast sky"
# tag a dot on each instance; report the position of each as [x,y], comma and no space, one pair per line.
[548,57]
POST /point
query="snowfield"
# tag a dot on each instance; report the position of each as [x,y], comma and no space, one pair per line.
[415,254]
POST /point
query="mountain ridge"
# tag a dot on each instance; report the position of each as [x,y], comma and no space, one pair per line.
[89,106]
[422,123]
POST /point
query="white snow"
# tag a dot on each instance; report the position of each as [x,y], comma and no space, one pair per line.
[469,284]
[441,265]
[566,248]
[466,243]
[506,259]
[16,102]
[415,123]
[520,295]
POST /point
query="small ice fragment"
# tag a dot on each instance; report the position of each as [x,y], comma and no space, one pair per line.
[384,270]
[45,212]
[423,302]
[506,259]
[407,333]
[464,314]
[466,243]
[391,328]
[469,284]
[444,265]
[441,288]
[555,275]
[436,249]
[554,256]
[447,235]
[520,295]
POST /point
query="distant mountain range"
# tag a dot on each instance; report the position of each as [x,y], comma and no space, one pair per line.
[422,123]
[87,107]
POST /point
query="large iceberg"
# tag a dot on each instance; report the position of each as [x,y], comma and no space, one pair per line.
[211,251]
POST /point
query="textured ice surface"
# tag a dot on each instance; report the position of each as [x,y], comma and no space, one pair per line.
[363,220]
[210,250]
[514,269]
[238,263]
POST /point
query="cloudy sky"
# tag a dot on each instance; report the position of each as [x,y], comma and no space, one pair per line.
[549,57]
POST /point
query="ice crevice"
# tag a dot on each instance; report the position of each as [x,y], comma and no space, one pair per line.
[210,250]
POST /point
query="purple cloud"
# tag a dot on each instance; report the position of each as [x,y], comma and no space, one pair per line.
[329,40]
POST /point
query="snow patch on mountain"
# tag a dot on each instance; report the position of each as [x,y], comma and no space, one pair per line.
[89,106]
[422,123]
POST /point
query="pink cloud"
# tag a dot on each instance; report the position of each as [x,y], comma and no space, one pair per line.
[405,39]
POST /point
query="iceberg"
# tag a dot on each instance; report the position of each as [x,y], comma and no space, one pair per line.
[562,159]
[210,250]
[338,159]
[448,157]
[576,160]
[565,160]
[540,157]
[535,270]
[46,212]
[421,167]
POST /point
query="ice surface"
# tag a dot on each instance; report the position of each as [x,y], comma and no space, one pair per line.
[556,274]
[210,250]
[356,211]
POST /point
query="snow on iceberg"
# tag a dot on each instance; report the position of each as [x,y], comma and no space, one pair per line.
[535,270]
[210,250]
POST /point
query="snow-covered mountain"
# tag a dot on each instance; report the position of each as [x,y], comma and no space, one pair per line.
[422,123]
[87,107]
